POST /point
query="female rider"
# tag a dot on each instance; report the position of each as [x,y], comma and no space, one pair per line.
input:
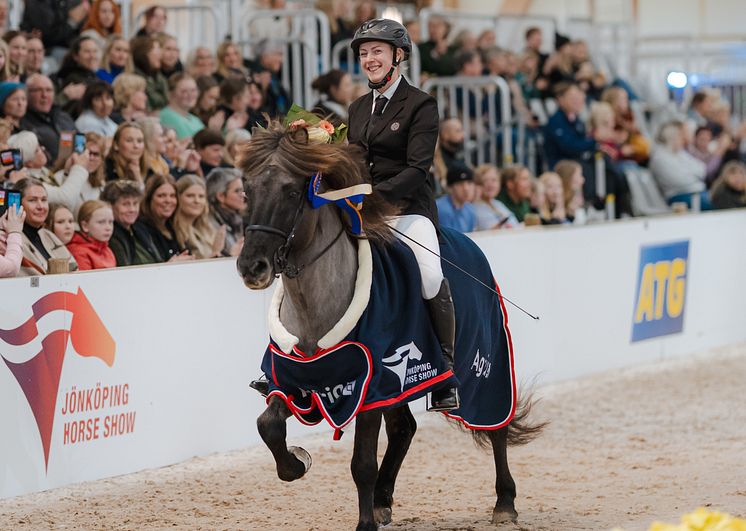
[396,125]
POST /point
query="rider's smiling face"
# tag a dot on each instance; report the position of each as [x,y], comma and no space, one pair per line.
[376,59]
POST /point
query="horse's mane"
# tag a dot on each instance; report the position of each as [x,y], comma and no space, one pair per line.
[341,166]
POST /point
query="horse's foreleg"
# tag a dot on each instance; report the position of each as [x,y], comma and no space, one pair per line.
[364,466]
[504,485]
[400,429]
[292,463]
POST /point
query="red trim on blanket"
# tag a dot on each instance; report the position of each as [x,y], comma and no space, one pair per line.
[363,393]
[512,375]
[315,400]
[408,392]
[292,407]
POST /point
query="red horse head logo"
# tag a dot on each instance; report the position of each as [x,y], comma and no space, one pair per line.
[39,377]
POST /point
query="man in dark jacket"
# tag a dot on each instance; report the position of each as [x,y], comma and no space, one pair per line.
[43,117]
[59,21]
[565,136]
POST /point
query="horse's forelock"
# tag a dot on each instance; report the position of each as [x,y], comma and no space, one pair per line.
[341,166]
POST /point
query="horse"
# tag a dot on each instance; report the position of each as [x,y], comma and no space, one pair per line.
[315,253]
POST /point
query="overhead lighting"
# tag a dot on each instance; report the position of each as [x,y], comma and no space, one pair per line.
[677,80]
[392,13]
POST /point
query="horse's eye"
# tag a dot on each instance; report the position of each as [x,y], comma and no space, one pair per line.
[294,194]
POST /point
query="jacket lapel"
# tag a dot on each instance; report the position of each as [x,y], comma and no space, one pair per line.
[394,107]
[361,119]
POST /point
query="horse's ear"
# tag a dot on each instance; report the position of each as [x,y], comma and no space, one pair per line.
[299,135]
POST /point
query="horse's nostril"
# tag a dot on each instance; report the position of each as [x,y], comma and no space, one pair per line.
[258,267]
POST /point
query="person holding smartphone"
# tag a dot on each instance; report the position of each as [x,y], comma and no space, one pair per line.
[11,253]
[39,244]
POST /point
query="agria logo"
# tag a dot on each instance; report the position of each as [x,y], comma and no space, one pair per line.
[39,377]
[661,290]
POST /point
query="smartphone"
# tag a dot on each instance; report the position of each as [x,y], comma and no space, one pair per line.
[66,145]
[8,200]
[12,157]
[79,143]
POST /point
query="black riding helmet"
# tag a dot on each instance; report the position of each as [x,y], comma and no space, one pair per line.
[383,30]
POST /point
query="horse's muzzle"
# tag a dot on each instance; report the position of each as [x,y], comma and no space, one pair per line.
[257,273]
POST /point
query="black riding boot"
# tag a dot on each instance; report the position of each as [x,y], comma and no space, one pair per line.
[443,318]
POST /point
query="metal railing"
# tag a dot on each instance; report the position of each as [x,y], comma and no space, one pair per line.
[308,46]
[509,29]
[188,23]
[308,25]
[487,129]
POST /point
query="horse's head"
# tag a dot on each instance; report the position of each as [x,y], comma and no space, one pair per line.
[278,165]
[278,219]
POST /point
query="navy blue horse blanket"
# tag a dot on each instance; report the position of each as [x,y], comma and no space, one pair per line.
[384,352]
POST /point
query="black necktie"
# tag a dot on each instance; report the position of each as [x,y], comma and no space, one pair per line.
[377,114]
[380,104]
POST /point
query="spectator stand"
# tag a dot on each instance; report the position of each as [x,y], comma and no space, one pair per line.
[654,57]
[344,59]
[734,92]
[479,92]
[204,24]
[308,46]
[509,29]
[611,44]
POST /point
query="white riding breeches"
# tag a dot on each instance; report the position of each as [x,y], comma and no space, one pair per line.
[422,230]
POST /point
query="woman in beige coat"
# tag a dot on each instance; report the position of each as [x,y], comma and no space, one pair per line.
[39,244]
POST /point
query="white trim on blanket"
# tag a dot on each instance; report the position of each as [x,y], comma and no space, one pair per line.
[286,341]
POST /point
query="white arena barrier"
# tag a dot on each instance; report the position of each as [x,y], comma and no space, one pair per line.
[153,362]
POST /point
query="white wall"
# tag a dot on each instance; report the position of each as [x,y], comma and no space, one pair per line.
[189,337]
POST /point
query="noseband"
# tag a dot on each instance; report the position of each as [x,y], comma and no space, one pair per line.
[281,262]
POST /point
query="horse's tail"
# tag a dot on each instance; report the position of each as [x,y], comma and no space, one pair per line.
[521,430]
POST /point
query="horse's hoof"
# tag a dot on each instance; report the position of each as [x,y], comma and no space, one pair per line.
[504,516]
[302,456]
[382,515]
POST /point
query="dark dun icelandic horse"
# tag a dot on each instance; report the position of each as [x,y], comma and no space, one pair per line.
[318,261]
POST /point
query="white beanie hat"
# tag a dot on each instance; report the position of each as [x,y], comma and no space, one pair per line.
[27,142]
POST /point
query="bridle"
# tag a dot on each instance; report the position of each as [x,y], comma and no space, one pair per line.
[281,259]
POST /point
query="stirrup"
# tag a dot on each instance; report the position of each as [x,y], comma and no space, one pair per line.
[453,401]
[261,385]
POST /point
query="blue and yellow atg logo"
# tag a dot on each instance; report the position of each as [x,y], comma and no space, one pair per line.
[661,290]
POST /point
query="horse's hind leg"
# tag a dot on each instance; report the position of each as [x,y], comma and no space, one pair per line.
[504,485]
[292,463]
[400,429]
[364,466]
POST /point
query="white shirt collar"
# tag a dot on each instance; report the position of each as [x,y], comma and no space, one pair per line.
[388,94]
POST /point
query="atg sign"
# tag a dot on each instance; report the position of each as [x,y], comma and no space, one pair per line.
[661,290]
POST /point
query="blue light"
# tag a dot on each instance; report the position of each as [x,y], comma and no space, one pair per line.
[677,80]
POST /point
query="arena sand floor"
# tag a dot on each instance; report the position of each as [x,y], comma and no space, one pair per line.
[624,448]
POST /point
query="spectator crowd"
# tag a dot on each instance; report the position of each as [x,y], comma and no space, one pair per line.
[125,155]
